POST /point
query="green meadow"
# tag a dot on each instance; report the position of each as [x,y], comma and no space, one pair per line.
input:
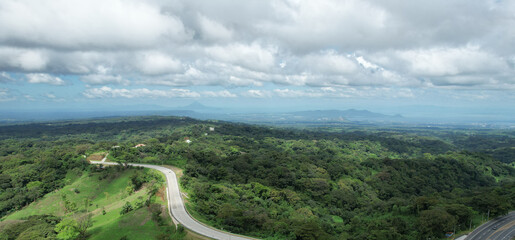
[103,195]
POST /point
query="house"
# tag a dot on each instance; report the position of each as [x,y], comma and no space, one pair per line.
[140,145]
[212,129]
[187,140]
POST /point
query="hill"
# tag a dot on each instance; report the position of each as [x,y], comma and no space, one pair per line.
[277,183]
[103,193]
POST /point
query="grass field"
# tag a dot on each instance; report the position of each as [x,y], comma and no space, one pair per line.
[109,194]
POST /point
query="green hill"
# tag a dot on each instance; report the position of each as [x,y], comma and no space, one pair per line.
[329,182]
[103,193]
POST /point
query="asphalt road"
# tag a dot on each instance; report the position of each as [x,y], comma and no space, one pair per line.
[502,228]
[177,208]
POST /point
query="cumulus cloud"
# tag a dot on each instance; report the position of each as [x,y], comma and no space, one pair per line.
[75,24]
[155,63]
[330,63]
[381,44]
[213,31]
[450,61]
[22,59]
[45,79]
[252,56]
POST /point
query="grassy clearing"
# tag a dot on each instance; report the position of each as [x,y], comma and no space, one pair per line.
[101,193]
[96,156]
[106,194]
[337,219]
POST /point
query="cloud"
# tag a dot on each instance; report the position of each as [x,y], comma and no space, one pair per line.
[213,31]
[329,62]
[257,93]
[465,66]
[5,78]
[107,92]
[74,24]
[45,79]
[155,63]
[22,59]
[332,92]
[6,96]
[253,56]
[450,61]
[286,43]
[29,97]
[102,79]
[224,94]
[50,95]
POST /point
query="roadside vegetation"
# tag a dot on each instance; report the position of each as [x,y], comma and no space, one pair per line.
[273,183]
[100,203]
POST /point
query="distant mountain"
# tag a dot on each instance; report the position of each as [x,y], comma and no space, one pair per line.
[199,107]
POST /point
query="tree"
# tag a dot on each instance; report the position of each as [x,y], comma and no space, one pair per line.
[67,229]
[435,222]
[126,208]
[310,230]
[34,189]
[461,212]
[83,223]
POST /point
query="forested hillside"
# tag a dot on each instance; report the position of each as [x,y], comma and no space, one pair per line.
[276,183]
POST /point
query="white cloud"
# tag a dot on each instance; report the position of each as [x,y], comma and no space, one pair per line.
[332,92]
[44,78]
[107,92]
[450,61]
[22,59]
[29,97]
[367,65]
[326,43]
[223,94]
[101,79]
[92,24]
[50,95]
[252,56]
[212,30]
[312,25]
[256,93]
[287,93]
[5,95]
[5,78]
[329,62]
[155,63]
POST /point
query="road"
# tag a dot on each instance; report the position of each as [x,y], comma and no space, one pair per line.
[177,208]
[501,228]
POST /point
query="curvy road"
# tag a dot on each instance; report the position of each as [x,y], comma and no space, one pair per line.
[501,228]
[176,206]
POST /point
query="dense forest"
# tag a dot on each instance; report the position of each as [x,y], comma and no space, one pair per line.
[284,183]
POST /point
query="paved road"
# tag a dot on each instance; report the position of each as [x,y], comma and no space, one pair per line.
[177,208]
[501,228]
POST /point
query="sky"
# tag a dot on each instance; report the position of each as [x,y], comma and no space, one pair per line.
[417,58]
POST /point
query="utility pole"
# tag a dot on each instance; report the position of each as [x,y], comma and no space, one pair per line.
[470,225]
[488,217]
